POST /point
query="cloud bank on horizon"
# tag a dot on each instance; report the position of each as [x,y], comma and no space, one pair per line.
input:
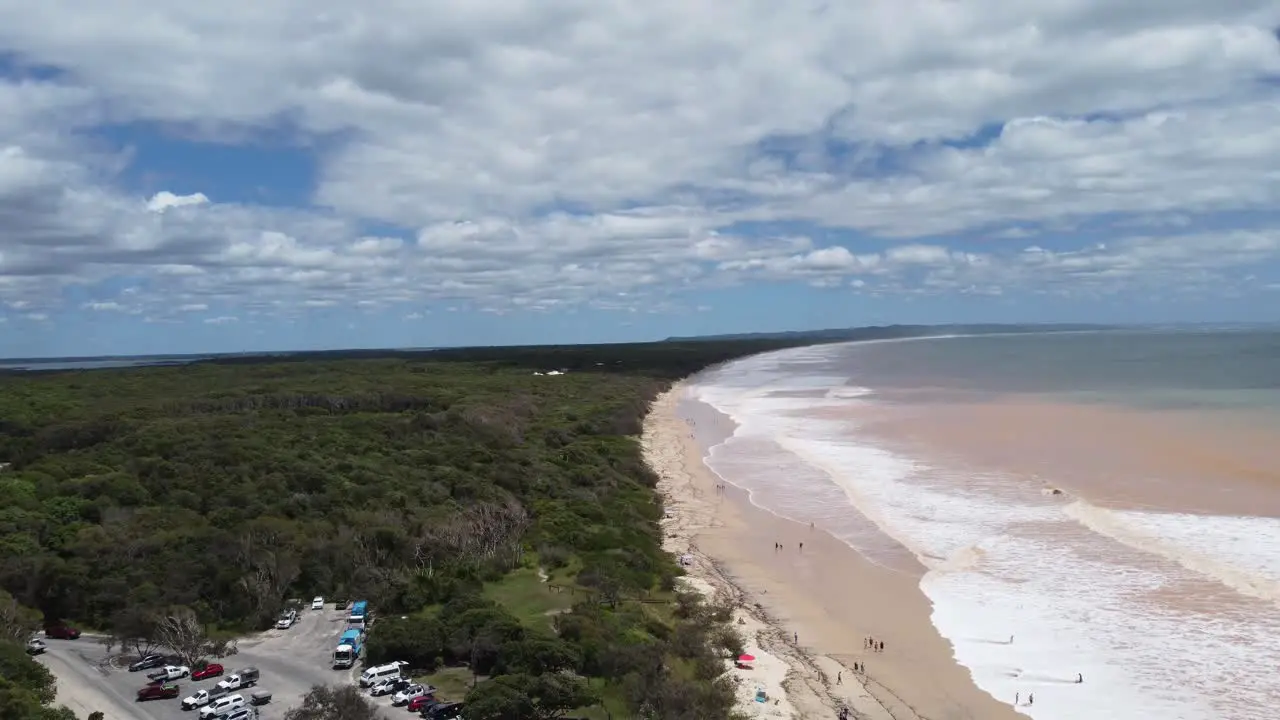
[188,170]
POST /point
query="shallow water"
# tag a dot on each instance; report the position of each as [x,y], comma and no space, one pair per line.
[1149,579]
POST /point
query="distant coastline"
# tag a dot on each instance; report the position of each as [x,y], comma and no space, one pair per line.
[768,340]
[784,338]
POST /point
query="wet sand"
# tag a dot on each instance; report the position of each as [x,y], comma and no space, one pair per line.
[819,604]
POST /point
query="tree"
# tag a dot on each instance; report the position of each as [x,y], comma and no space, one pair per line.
[133,630]
[182,632]
[528,697]
[414,639]
[325,702]
[536,655]
[17,622]
[19,671]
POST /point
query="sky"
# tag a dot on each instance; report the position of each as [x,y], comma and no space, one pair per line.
[277,174]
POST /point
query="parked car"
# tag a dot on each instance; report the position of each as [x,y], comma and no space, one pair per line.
[372,676]
[158,691]
[423,703]
[242,678]
[286,620]
[147,662]
[444,711]
[411,692]
[35,646]
[427,705]
[170,672]
[62,632]
[222,706]
[206,672]
[317,603]
[259,697]
[389,686]
[200,698]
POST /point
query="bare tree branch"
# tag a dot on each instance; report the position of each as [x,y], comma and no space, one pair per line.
[181,631]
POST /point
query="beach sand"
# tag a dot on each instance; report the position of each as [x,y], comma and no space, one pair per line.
[806,613]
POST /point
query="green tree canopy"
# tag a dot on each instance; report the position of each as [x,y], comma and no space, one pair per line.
[327,702]
[527,697]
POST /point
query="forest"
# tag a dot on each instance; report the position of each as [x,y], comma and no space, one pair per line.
[220,489]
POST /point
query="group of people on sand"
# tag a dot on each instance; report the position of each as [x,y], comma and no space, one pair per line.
[873,645]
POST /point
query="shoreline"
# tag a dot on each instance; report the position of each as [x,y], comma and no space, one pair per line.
[805,614]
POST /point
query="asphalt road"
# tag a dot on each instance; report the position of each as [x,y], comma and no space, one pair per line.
[289,661]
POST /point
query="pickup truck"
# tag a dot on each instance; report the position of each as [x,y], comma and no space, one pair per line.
[158,691]
[170,672]
[202,697]
[62,632]
[286,620]
[242,678]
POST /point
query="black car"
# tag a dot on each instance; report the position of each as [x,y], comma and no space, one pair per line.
[443,711]
[147,662]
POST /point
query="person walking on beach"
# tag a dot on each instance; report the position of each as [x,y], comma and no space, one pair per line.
[795,637]
[1016,697]
[1079,678]
[840,678]
[801,547]
[1031,699]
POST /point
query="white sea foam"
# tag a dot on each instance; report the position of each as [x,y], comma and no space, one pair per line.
[1241,552]
[1080,588]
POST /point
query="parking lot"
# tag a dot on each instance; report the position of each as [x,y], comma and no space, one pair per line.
[290,662]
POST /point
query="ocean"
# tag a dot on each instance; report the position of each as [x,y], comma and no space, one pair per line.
[1096,506]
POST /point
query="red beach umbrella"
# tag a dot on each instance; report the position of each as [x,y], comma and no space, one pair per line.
[746,658]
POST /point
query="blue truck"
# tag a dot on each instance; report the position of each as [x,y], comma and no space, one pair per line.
[348,650]
[359,616]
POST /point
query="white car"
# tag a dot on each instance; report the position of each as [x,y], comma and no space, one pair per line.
[170,672]
[35,646]
[317,603]
[221,706]
[201,698]
[387,686]
[409,693]
[286,620]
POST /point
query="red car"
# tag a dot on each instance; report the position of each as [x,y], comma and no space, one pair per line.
[208,671]
[158,692]
[421,702]
[62,632]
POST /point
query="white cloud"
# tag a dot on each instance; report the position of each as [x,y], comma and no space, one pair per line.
[109,306]
[221,320]
[457,129]
[164,200]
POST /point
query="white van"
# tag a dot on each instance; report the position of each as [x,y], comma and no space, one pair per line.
[221,706]
[381,672]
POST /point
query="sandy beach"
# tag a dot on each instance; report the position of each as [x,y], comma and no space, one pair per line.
[806,613]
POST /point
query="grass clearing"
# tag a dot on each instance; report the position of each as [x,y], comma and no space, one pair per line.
[526,596]
[451,683]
